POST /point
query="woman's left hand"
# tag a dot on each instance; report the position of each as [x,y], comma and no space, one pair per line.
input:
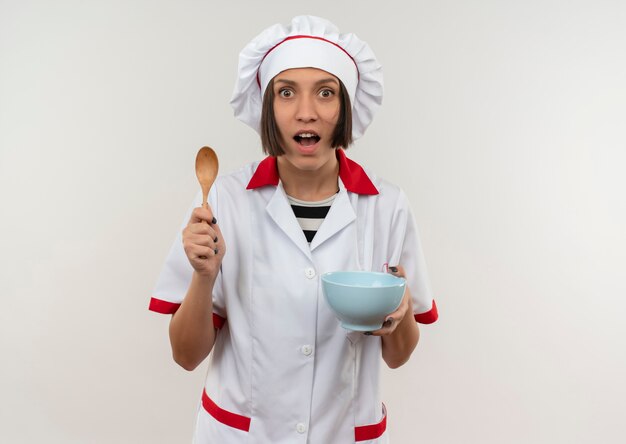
[392,320]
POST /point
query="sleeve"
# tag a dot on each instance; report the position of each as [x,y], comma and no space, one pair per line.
[407,251]
[175,277]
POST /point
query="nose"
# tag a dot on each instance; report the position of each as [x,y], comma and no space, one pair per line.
[306,111]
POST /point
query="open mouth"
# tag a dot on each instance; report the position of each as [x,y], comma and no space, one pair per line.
[306,139]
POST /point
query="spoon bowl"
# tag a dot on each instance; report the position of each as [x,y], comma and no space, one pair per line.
[207,167]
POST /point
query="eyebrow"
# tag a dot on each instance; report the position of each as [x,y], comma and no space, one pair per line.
[319,82]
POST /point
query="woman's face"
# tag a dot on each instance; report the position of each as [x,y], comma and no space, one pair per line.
[306,109]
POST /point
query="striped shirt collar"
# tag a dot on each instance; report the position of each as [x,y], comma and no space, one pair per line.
[352,175]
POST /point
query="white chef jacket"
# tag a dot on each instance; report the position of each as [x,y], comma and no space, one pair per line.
[282,369]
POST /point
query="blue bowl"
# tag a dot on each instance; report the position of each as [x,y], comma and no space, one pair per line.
[362,299]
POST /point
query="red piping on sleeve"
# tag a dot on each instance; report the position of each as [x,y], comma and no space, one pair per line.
[218,321]
[165,307]
[428,317]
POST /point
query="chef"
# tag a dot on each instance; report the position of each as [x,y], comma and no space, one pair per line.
[242,280]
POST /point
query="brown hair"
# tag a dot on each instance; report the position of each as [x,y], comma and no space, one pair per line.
[270,135]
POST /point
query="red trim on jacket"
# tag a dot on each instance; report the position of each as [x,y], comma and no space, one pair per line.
[224,416]
[351,173]
[240,422]
[266,174]
[166,307]
[218,321]
[373,431]
[428,317]
[163,307]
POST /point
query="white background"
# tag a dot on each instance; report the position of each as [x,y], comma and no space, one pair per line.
[504,121]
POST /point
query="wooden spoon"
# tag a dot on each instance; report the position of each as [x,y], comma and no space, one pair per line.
[206,171]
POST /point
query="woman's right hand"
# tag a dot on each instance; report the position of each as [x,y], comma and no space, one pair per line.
[203,242]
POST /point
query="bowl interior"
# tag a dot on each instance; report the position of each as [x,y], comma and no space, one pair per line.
[365,279]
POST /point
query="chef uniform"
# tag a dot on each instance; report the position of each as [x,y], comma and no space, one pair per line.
[282,369]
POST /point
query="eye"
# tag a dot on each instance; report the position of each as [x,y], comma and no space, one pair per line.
[326,93]
[285,93]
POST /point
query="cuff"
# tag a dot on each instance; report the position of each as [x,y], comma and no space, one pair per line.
[165,307]
[427,317]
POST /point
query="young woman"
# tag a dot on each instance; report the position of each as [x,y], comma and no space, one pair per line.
[243,279]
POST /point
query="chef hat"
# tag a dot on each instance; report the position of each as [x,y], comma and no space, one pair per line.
[308,42]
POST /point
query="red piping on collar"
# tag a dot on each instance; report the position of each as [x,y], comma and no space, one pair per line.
[351,174]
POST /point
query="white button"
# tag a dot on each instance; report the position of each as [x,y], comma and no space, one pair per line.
[309,272]
[300,427]
[307,350]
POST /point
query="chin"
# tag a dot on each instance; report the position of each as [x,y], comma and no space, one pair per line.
[318,156]
[307,163]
